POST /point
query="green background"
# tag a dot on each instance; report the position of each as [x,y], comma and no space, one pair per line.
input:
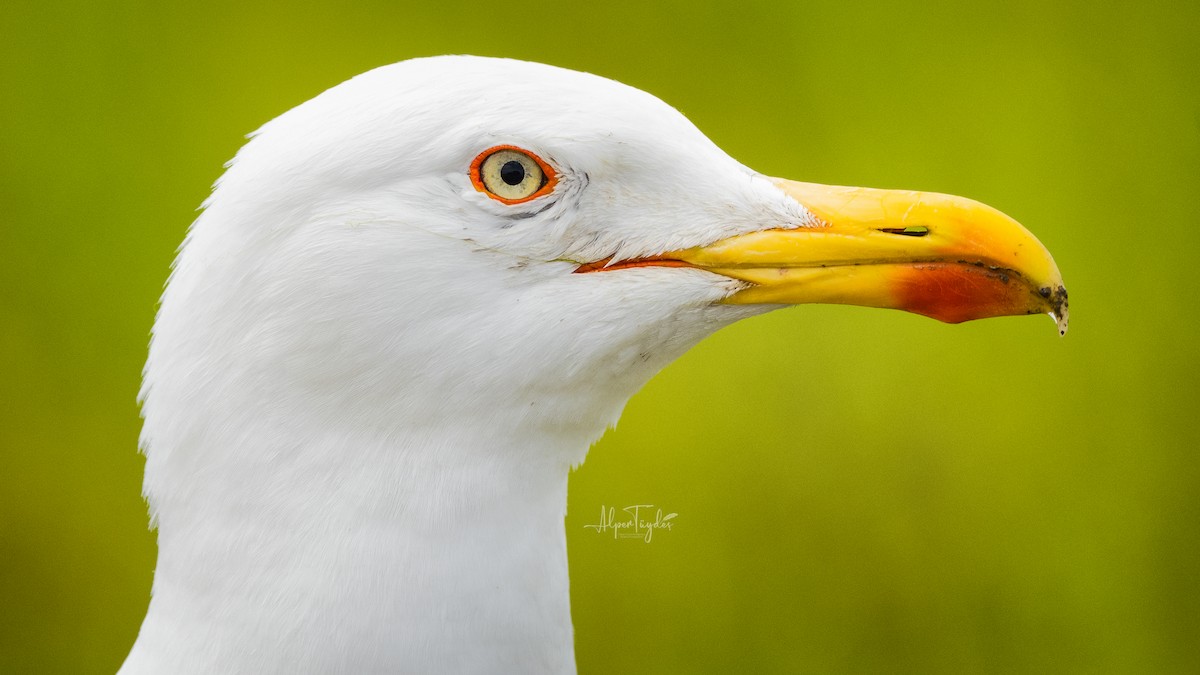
[857,490]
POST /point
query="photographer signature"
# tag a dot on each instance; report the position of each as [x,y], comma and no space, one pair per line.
[638,524]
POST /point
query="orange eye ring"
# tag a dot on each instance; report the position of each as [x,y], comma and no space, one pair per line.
[549,175]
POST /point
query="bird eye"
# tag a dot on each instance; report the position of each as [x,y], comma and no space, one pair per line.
[511,175]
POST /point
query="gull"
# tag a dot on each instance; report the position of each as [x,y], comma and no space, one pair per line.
[409,307]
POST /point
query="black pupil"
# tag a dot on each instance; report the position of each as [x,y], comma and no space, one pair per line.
[513,172]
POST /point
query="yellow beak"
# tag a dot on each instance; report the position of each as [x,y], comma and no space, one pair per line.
[949,258]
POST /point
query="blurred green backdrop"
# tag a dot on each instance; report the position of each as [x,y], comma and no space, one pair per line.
[857,490]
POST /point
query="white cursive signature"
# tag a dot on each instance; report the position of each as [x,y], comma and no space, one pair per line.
[637,525]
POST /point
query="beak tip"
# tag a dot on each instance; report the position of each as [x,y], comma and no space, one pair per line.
[1062,324]
[1056,300]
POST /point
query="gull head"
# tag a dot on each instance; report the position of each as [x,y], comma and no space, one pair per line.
[461,235]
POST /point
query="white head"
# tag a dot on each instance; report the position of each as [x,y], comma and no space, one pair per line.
[359,340]
[346,266]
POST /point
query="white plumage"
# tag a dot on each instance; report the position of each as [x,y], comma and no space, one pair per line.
[369,380]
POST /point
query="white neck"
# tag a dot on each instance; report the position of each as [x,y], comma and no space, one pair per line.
[382,567]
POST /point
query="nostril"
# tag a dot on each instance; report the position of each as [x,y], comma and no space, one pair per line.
[910,231]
